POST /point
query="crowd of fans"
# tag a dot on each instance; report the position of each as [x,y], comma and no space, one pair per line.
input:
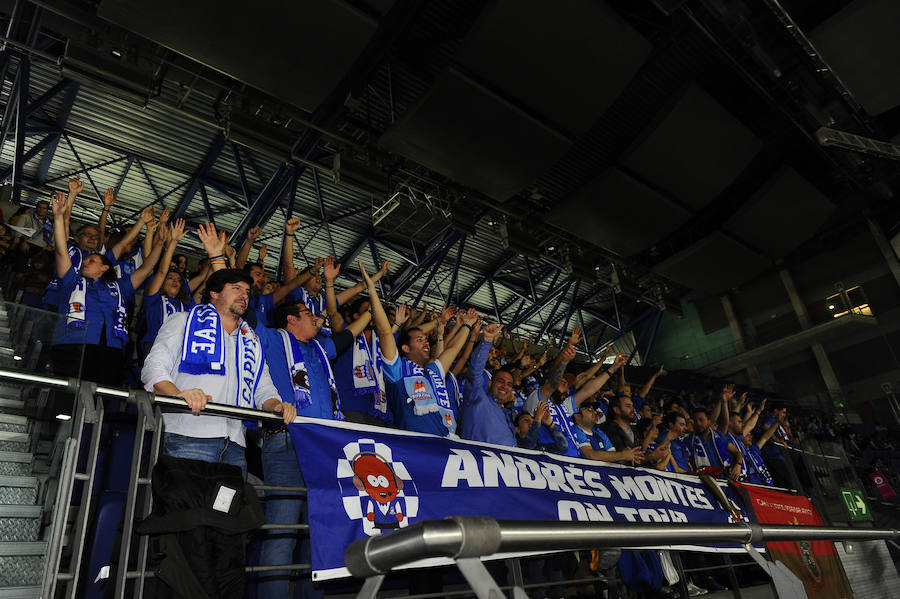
[229,333]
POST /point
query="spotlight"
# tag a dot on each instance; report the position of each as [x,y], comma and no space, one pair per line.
[831,306]
[17,358]
[63,416]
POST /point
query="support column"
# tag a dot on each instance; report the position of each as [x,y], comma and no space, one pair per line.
[884,245]
[738,334]
[824,363]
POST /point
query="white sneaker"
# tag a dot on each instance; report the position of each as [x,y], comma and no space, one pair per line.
[694,590]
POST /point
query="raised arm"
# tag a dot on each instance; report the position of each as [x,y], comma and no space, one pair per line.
[176,234]
[287,248]
[449,354]
[146,217]
[382,324]
[348,294]
[60,241]
[141,274]
[649,384]
[76,185]
[197,281]
[750,422]
[722,416]
[242,256]
[109,198]
[596,383]
[480,355]
[151,229]
[330,272]
[400,317]
[591,372]
[460,363]
[770,430]
[214,243]
[557,368]
[359,325]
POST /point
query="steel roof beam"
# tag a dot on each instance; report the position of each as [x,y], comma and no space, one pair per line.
[504,262]
[197,182]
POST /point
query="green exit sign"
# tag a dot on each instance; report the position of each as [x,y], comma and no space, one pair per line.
[856,504]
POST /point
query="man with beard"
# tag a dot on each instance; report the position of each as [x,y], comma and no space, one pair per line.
[194,357]
[421,401]
[710,448]
[620,431]
[562,399]
[488,416]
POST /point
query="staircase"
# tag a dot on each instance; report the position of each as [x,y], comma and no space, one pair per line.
[22,543]
[21,548]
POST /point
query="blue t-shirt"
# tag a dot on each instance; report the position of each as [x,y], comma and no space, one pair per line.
[263,306]
[402,405]
[99,311]
[319,389]
[77,255]
[597,439]
[153,314]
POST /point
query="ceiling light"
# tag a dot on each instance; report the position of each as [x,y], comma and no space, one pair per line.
[550,248]
[17,358]
[116,53]
[63,417]
[831,306]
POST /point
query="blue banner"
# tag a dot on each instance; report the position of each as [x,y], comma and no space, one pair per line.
[365,481]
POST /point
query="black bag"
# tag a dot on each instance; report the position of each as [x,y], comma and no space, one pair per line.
[202,514]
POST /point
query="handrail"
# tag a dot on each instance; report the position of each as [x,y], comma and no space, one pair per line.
[475,536]
[164,401]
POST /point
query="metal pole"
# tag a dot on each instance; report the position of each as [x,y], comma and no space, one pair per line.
[460,537]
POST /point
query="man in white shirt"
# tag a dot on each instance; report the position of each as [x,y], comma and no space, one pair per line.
[213,438]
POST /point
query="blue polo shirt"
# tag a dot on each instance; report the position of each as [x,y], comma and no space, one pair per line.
[319,389]
[402,405]
[99,311]
[680,451]
[77,255]
[483,419]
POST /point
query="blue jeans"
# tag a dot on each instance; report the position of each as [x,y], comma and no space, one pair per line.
[216,450]
[280,467]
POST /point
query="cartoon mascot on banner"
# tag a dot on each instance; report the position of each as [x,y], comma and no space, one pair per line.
[379,500]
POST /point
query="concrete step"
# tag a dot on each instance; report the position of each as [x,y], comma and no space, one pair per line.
[19,523]
[11,404]
[13,423]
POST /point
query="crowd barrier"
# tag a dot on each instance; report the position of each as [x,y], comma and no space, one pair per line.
[369,558]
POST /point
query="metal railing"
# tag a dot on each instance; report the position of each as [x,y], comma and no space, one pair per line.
[467,539]
[88,411]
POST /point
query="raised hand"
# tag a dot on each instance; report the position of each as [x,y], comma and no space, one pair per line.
[320,261]
[164,217]
[76,185]
[469,317]
[331,270]
[148,216]
[575,337]
[447,313]
[662,371]
[177,233]
[292,226]
[402,314]
[366,278]
[263,251]
[568,354]
[728,392]
[58,203]
[162,235]
[476,328]
[213,242]
[619,362]
[109,198]
[253,233]
[385,266]
[541,361]
[490,332]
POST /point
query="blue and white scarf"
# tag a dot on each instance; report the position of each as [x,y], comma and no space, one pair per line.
[203,352]
[296,364]
[422,399]
[698,450]
[170,306]
[757,467]
[368,374]
[454,391]
[563,422]
[77,310]
[739,444]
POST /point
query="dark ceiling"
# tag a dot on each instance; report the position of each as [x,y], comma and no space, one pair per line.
[631,151]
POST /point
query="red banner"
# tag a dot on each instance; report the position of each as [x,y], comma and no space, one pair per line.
[816,563]
[883,486]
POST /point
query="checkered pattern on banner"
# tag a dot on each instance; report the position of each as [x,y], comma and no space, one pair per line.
[353,498]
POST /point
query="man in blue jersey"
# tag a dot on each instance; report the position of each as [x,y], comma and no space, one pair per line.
[593,443]
[488,416]
[418,392]
[710,448]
